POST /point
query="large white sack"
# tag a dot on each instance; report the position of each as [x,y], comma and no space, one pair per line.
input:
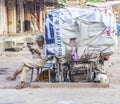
[94,33]
[88,25]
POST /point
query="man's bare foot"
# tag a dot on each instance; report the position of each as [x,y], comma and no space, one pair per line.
[10,78]
[22,85]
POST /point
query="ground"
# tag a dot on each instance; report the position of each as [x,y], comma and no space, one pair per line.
[61,96]
[10,61]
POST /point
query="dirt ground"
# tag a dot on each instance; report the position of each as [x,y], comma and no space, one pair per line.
[10,61]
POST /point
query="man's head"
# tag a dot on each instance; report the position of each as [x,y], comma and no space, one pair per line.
[40,40]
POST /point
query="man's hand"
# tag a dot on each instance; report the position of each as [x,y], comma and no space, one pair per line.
[37,51]
[31,50]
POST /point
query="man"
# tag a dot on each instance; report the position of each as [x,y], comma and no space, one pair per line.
[39,59]
[101,75]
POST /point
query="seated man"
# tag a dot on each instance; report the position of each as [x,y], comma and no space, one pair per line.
[39,60]
[101,75]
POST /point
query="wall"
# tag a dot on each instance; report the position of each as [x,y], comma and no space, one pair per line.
[11,16]
[3,18]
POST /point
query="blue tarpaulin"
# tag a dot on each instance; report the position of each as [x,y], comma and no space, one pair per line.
[118,29]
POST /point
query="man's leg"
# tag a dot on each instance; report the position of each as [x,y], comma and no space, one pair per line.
[27,66]
[23,77]
[24,73]
[14,75]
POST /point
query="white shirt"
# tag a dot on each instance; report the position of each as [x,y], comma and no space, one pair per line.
[42,51]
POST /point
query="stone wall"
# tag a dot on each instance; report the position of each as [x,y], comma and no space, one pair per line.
[3,18]
[116,11]
[11,16]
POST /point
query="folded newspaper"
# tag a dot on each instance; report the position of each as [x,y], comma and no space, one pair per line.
[90,30]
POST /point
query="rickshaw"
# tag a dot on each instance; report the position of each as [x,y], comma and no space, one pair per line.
[95,38]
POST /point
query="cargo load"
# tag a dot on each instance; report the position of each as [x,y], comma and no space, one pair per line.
[90,30]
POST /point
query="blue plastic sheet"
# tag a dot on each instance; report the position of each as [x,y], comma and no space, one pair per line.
[118,30]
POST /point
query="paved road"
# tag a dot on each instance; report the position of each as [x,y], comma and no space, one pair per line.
[61,96]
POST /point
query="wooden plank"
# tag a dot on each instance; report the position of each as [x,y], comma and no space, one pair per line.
[69,85]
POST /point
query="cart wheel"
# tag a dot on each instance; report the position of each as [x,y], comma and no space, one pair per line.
[71,77]
[91,72]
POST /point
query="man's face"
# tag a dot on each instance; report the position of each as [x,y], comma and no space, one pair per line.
[40,43]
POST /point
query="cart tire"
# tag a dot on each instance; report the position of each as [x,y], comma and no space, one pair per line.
[91,72]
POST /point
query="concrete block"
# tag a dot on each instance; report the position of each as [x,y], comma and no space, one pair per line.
[2,47]
[69,85]
[16,43]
